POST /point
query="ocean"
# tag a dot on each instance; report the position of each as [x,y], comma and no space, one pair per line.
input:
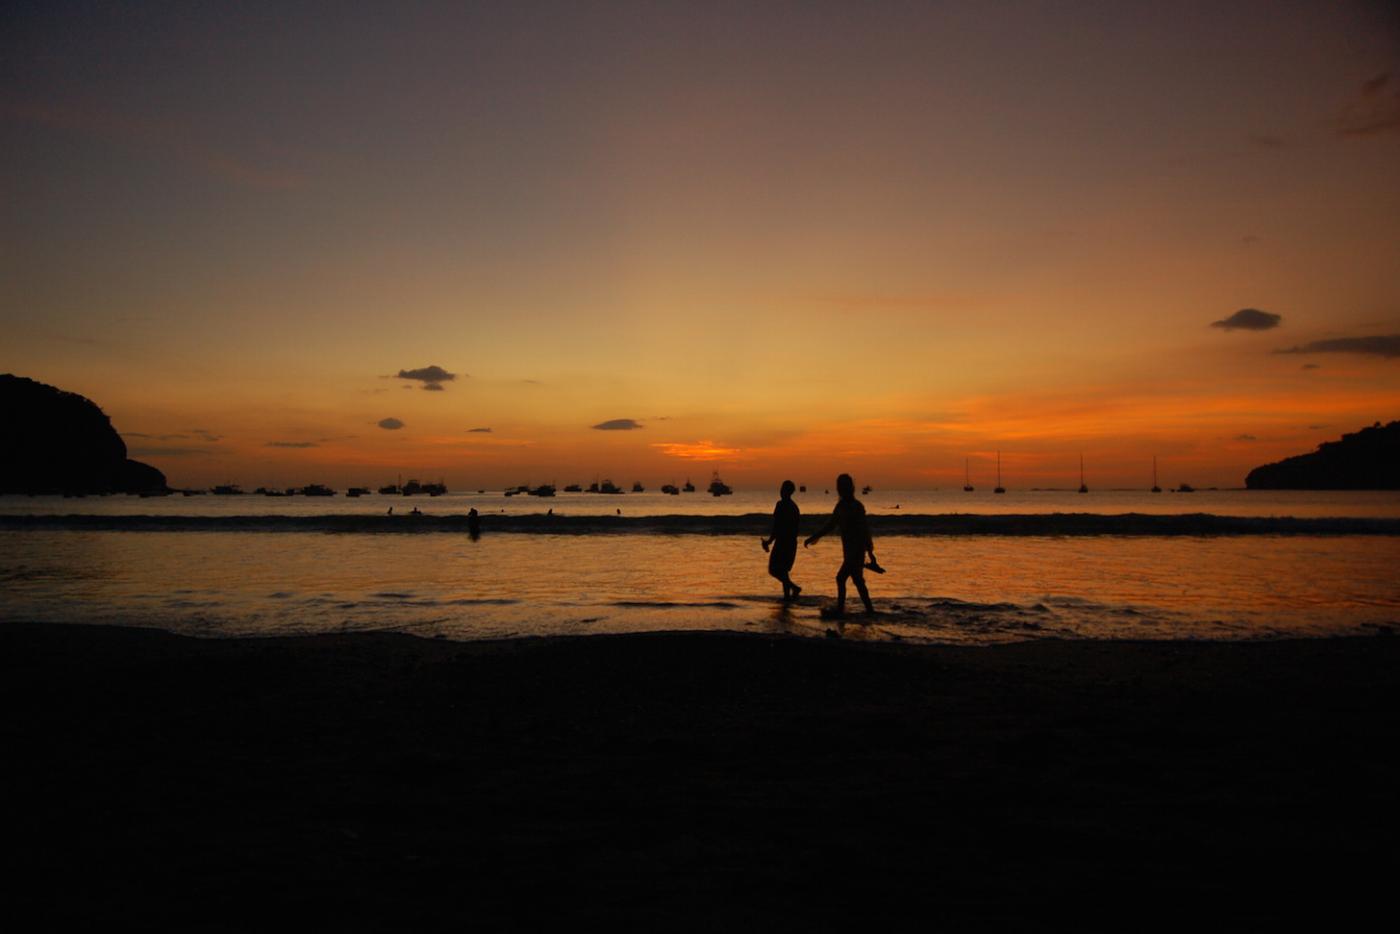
[962,567]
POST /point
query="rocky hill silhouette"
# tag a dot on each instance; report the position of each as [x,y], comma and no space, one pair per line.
[1365,460]
[61,442]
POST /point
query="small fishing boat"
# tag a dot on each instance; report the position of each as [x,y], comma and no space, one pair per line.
[1000,488]
[718,487]
[967,478]
[1082,487]
[1155,487]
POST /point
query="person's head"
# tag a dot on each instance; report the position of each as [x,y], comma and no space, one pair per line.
[845,486]
[787,489]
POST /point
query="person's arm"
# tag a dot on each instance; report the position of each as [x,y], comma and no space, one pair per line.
[773,532]
[824,530]
[873,563]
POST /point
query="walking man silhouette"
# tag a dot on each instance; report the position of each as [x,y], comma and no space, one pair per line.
[849,517]
[783,540]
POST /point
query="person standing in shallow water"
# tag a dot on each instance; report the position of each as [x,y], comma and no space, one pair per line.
[849,517]
[783,540]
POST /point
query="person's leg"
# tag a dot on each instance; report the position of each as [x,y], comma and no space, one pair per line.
[841,576]
[864,594]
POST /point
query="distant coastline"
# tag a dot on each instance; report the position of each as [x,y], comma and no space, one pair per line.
[748,524]
[61,442]
[1368,459]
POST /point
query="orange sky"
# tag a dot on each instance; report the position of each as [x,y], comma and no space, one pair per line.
[784,242]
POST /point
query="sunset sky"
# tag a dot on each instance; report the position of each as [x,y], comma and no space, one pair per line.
[766,238]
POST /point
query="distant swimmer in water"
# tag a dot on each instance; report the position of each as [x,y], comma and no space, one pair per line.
[783,540]
[474,524]
[849,517]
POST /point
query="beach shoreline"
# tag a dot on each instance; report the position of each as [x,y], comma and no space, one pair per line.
[693,779]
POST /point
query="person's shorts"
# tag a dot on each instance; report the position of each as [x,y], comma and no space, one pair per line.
[781,557]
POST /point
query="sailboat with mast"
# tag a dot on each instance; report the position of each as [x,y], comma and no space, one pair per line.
[1155,487]
[1082,487]
[1000,488]
[967,478]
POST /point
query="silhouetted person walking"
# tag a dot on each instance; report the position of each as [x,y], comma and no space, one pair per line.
[783,540]
[849,517]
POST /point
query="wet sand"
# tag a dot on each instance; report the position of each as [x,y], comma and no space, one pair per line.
[689,780]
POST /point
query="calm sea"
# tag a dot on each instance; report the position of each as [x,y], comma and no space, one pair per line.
[225,577]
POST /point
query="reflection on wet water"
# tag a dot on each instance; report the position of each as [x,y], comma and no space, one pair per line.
[963,589]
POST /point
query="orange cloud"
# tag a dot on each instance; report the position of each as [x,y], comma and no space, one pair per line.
[698,451]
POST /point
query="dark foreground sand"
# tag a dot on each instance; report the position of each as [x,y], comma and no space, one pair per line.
[693,780]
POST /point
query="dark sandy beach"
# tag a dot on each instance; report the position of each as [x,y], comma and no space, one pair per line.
[693,780]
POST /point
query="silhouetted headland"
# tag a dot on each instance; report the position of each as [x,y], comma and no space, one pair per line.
[1368,459]
[61,442]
